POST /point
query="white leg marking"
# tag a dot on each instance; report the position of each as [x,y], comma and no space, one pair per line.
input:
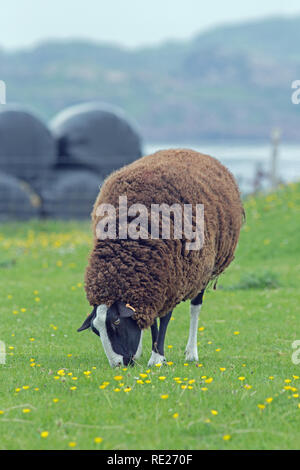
[191,351]
[140,348]
[156,358]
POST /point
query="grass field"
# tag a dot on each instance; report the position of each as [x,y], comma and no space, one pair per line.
[57,390]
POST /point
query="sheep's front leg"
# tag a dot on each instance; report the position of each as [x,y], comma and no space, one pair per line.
[158,340]
[191,351]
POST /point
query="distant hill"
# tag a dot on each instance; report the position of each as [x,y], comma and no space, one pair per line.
[230,82]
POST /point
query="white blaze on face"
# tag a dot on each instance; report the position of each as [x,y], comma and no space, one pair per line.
[100,324]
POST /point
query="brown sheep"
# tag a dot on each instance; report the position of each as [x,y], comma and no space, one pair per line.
[131,282]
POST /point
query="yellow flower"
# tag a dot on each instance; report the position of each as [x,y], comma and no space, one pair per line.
[1,412]
[202,328]
[73,388]
[87,372]
[72,444]
[98,440]
[127,389]
[271,377]
[74,378]
[295,377]
[143,376]
[17,389]
[164,397]
[236,333]
[247,387]
[287,381]
[204,389]
[169,346]
[117,389]
[227,437]
[214,412]
[222,369]
[175,415]
[162,377]
[241,379]
[55,400]
[218,350]
[208,381]
[269,400]
[61,372]
[26,410]
[139,381]
[44,434]
[25,387]
[261,406]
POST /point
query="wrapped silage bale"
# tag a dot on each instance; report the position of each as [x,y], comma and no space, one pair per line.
[18,201]
[27,147]
[95,136]
[70,194]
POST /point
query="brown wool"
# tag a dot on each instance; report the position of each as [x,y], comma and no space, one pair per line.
[154,275]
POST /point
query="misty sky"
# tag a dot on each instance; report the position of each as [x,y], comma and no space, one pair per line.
[131,23]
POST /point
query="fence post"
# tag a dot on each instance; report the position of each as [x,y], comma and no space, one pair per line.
[275,138]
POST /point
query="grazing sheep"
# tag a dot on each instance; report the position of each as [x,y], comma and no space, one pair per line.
[132,282]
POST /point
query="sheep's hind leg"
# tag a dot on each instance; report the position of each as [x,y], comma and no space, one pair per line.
[191,351]
[158,340]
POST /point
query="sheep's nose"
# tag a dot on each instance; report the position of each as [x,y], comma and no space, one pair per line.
[128,360]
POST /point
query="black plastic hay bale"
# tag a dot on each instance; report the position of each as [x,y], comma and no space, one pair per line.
[95,136]
[70,194]
[18,201]
[27,147]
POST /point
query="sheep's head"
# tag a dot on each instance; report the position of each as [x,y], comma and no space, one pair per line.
[119,332]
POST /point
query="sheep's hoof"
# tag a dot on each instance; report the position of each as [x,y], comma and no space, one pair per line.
[156,359]
[191,356]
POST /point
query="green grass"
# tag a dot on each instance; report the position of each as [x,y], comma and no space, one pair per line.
[51,257]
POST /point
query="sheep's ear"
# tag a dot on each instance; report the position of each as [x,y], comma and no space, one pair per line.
[88,321]
[125,311]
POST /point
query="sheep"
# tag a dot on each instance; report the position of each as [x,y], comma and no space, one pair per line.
[132,282]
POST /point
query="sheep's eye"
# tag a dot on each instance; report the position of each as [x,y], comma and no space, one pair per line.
[117,322]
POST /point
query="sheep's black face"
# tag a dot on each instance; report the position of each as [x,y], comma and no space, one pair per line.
[119,333]
[123,333]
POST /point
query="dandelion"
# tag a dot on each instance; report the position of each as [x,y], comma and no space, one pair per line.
[61,372]
[72,444]
[208,381]
[287,381]
[242,379]
[118,377]
[73,388]
[1,412]
[164,397]
[261,406]
[202,328]
[140,381]
[55,400]
[226,437]
[31,339]
[143,376]
[295,377]
[247,387]
[271,377]
[169,346]
[218,349]
[222,369]
[98,440]
[236,333]
[25,387]
[74,378]
[269,400]
[17,389]
[204,389]
[214,412]
[26,410]
[162,377]
[127,389]
[44,434]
